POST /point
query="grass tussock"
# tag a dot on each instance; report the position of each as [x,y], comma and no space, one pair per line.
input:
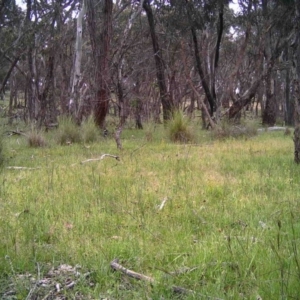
[179,129]
[36,139]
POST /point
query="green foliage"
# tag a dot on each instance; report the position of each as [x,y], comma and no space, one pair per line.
[90,131]
[179,129]
[68,131]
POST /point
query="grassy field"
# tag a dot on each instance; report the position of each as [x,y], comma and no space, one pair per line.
[220,219]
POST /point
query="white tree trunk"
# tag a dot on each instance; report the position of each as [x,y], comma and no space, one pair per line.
[76,77]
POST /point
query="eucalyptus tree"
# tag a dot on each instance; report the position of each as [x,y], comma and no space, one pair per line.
[201,27]
[100,38]
[165,98]
[277,18]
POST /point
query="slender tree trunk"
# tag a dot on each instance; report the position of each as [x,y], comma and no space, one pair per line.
[167,105]
[4,82]
[296,83]
[123,109]
[209,96]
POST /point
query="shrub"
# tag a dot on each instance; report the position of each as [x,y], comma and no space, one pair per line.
[179,129]
[90,131]
[35,139]
[68,131]
[227,130]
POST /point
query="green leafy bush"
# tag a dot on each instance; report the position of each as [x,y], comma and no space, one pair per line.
[90,131]
[68,131]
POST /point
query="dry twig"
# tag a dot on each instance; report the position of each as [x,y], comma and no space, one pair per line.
[21,168]
[100,158]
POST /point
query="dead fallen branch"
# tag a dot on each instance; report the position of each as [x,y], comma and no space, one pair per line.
[100,158]
[21,168]
[176,289]
[15,132]
[274,128]
[116,266]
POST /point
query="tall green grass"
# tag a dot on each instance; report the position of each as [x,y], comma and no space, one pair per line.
[229,227]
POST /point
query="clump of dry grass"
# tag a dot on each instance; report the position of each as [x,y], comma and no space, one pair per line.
[36,139]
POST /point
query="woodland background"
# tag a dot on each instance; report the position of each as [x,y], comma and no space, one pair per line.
[146,59]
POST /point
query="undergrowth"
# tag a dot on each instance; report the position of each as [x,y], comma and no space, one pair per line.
[226,130]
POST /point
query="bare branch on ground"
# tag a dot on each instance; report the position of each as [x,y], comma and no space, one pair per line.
[176,289]
[100,158]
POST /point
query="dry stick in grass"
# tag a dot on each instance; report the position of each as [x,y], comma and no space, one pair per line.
[116,266]
[21,168]
[100,158]
[17,132]
[176,289]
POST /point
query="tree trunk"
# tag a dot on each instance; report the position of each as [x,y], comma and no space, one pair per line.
[100,51]
[13,64]
[76,76]
[244,100]
[167,105]
[289,105]
[296,83]
[270,110]
[209,96]
[46,98]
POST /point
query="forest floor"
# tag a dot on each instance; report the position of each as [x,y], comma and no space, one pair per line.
[213,219]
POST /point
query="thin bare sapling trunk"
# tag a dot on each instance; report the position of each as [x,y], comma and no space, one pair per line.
[122,101]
